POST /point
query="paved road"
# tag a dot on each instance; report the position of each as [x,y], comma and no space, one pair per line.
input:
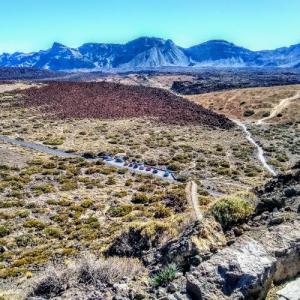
[44,149]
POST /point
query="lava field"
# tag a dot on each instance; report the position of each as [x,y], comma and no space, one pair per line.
[115,101]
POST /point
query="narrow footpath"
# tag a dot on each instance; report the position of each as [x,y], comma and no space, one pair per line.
[192,198]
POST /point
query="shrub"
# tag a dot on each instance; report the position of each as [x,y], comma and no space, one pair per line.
[140,237]
[53,232]
[34,223]
[176,199]
[43,189]
[128,182]
[51,284]
[140,198]
[53,142]
[231,210]
[23,213]
[204,200]
[182,178]
[162,212]
[119,211]
[87,203]
[69,185]
[24,240]
[175,166]
[89,155]
[107,271]
[120,194]
[165,276]
[111,180]
[4,231]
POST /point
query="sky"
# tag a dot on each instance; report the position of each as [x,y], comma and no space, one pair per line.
[31,25]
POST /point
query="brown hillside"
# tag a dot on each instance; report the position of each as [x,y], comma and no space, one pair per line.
[115,101]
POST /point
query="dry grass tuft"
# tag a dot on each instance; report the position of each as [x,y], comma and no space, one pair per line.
[87,271]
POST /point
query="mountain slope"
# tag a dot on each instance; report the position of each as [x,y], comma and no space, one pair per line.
[220,51]
[150,52]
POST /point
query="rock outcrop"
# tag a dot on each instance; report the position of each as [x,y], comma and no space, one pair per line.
[242,271]
[291,291]
[281,191]
[246,269]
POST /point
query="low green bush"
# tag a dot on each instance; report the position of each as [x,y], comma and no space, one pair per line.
[165,276]
[53,232]
[140,198]
[34,223]
[231,210]
[4,231]
[119,211]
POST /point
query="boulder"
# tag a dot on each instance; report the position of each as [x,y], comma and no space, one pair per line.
[245,269]
[242,271]
[291,291]
[279,191]
[283,243]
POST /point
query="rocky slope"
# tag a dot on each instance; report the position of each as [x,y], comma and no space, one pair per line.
[262,251]
[115,101]
[146,53]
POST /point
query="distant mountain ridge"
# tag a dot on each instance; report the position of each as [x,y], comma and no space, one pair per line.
[151,52]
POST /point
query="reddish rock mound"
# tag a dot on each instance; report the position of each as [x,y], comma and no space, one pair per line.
[114,101]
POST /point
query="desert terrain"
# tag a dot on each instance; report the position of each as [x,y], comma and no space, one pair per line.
[78,213]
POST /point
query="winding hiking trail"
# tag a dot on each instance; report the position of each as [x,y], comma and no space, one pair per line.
[192,197]
[279,108]
[260,151]
[275,111]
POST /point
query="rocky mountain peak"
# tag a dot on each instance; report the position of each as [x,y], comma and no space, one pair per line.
[152,52]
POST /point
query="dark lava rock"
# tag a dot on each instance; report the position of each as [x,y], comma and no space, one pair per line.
[130,244]
[290,192]
[278,192]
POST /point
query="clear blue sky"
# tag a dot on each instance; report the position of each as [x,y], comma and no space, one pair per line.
[28,25]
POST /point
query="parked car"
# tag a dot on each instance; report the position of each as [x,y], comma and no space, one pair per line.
[148,169]
[135,166]
[155,171]
[119,160]
[166,174]
[130,165]
[107,158]
[141,167]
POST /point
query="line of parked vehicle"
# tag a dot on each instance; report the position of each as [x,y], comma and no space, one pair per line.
[123,162]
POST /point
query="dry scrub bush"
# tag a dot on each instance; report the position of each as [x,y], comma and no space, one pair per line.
[52,283]
[109,270]
[87,271]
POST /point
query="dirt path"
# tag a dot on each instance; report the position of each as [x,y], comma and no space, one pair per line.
[260,151]
[192,197]
[279,108]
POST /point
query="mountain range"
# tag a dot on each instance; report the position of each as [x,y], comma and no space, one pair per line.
[149,53]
